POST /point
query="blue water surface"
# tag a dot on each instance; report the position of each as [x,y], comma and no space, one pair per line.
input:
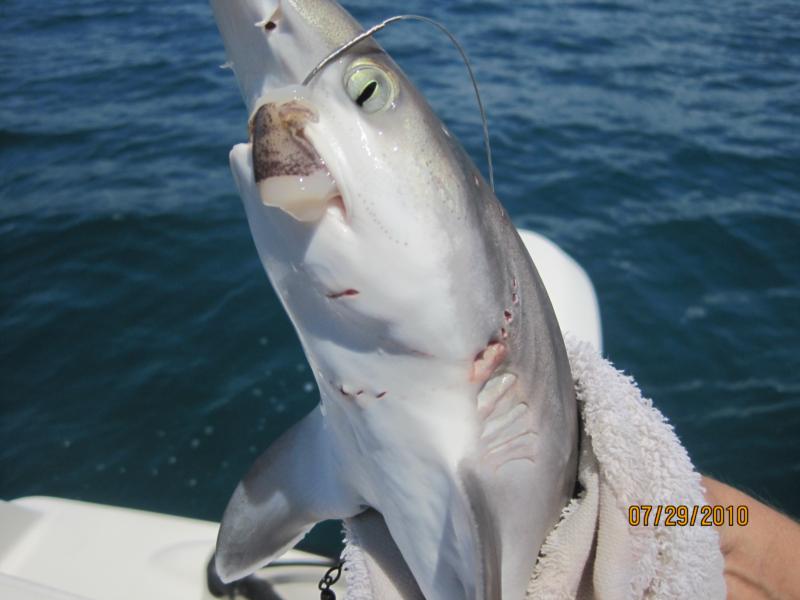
[145,360]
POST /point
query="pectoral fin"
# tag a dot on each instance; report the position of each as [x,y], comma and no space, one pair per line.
[291,487]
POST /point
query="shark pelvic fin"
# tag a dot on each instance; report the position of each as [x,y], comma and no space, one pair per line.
[291,487]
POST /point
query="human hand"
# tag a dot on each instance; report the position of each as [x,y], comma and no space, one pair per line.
[762,558]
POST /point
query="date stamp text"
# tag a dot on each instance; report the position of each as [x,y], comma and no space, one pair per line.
[682,515]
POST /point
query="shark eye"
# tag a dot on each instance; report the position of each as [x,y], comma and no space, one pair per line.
[369,86]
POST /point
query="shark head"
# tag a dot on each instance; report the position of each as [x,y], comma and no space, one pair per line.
[446,399]
[356,175]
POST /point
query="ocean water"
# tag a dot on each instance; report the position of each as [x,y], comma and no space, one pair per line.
[144,358]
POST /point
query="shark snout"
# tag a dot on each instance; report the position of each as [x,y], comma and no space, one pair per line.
[274,43]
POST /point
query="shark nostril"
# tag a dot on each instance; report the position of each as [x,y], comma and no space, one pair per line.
[271,23]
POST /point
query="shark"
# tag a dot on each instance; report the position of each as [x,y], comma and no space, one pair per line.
[446,406]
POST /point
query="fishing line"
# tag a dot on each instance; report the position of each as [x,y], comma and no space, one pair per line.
[375,29]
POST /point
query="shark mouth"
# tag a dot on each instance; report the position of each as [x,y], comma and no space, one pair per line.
[289,172]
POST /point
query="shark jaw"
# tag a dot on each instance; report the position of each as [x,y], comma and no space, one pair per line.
[446,398]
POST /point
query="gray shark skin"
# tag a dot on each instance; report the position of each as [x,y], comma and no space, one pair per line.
[446,400]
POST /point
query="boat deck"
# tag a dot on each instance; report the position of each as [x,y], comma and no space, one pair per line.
[52,548]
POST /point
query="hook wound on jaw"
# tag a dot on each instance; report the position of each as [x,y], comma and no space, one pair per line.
[376,28]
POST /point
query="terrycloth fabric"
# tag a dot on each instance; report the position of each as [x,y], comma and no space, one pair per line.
[629,456]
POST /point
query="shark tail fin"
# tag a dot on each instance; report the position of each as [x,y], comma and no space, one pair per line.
[290,488]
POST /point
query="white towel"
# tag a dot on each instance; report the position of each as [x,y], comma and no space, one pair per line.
[629,455]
